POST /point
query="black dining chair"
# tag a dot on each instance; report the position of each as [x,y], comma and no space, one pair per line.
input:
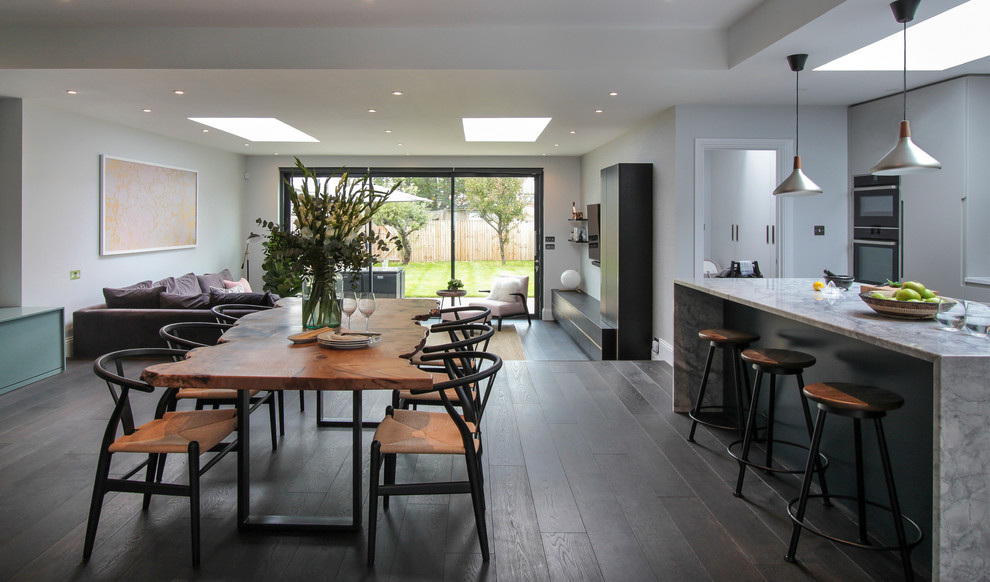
[191,432]
[465,338]
[455,431]
[189,335]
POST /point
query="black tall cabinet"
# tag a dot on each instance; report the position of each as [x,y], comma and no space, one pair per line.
[627,258]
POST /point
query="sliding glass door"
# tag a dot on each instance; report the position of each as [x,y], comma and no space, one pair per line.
[471,225]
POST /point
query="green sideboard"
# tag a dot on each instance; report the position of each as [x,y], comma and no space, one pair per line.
[32,345]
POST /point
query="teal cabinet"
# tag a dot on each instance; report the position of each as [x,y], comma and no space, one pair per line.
[32,345]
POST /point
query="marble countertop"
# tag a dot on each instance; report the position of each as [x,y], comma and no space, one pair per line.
[847,315]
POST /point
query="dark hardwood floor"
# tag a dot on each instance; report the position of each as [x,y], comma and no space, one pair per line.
[588,477]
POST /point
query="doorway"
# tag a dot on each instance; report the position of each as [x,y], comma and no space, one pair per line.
[736,215]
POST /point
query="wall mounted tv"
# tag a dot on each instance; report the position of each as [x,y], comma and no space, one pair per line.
[594,232]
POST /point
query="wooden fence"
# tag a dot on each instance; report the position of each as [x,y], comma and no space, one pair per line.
[476,241]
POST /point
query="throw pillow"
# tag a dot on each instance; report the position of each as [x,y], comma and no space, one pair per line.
[208,280]
[243,283]
[503,288]
[177,301]
[132,297]
[218,297]
[187,284]
[235,289]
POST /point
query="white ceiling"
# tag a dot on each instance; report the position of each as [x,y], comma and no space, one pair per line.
[319,65]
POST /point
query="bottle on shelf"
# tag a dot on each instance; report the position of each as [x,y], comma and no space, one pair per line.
[573,211]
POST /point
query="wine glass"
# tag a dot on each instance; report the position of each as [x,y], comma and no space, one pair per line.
[348,305]
[366,305]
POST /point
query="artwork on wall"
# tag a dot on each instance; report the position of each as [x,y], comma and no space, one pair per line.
[146,207]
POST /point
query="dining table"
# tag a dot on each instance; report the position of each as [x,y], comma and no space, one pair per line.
[257,354]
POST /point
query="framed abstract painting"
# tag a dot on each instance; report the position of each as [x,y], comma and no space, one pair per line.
[146,207]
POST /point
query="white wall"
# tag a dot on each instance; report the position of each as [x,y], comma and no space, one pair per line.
[652,143]
[61,214]
[945,119]
[561,186]
[668,141]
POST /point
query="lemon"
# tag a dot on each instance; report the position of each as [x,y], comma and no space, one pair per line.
[906,294]
[818,286]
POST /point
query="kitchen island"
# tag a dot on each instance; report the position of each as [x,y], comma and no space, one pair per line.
[940,439]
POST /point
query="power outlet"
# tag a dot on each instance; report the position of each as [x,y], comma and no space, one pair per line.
[819,230]
[73,275]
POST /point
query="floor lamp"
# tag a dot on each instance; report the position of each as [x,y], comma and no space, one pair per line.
[246,261]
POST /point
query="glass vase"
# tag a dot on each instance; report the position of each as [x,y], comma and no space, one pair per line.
[320,302]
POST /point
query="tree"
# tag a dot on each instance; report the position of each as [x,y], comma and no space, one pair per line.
[404,218]
[499,202]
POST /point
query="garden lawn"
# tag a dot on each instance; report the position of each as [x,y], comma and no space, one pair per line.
[423,279]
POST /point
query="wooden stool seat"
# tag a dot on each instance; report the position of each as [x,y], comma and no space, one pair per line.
[859,402]
[855,398]
[778,361]
[728,336]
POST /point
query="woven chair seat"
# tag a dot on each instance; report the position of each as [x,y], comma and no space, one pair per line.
[212,393]
[175,430]
[419,432]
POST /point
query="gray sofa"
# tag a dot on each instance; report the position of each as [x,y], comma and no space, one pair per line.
[132,316]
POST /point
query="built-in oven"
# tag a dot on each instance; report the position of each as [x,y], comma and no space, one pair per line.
[876,201]
[876,254]
[876,229]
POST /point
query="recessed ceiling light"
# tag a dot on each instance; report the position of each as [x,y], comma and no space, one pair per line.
[388,131]
[146,110]
[247,145]
[573,132]
[542,154]
[396,93]
[515,129]
[950,39]
[372,111]
[598,110]
[399,144]
[256,128]
[179,92]
[71,92]
[276,153]
[556,145]
[613,94]
[206,131]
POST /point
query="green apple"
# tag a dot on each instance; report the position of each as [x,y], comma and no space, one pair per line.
[914,286]
[905,293]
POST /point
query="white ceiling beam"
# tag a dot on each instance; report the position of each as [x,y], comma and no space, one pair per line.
[770,22]
[361,48]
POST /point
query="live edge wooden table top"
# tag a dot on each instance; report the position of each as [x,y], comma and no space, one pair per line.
[256,354]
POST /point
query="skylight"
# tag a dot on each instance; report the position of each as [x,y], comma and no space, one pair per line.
[517,129]
[953,38]
[256,128]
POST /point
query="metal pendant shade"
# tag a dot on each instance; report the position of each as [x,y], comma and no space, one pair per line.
[905,157]
[797,184]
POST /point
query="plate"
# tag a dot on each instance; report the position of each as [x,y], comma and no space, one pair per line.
[348,340]
[901,309]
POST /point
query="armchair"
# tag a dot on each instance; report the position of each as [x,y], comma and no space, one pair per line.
[508,297]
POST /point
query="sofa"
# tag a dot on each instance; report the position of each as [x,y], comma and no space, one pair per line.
[131,316]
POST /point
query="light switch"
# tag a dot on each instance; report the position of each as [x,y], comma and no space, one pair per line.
[819,230]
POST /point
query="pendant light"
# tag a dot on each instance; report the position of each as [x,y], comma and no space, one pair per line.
[906,157]
[797,184]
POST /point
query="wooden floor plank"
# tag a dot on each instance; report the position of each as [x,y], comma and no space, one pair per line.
[520,556]
[570,557]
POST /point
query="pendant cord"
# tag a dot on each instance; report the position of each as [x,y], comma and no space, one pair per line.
[797,116]
[905,71]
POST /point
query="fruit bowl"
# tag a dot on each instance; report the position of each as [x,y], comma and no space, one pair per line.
[902,309]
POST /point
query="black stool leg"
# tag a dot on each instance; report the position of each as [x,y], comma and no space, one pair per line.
[860,485]
[809,470]
[701,393]
[737,372]
[771,405]
[895,506]
[748,436]
[807,420]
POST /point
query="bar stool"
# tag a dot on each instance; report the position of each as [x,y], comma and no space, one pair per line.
[775,362]
[858,402]
[732,342]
